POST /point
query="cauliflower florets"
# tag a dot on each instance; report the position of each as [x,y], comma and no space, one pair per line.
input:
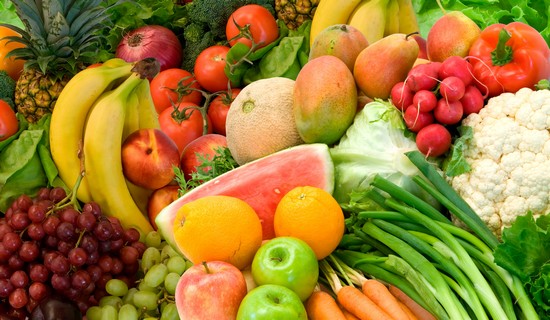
[509,156]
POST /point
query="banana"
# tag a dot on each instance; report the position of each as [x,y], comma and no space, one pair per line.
[408,21]
[392,18]
[370,18]
[131,120]
[69,117]
[148,116]
[331,12]
[102,154]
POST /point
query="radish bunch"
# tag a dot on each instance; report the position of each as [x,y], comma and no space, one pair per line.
[435,96]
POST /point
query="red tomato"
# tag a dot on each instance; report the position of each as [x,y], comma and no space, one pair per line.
[183,128]
[8,121]
[209,68]
[262,25]
[169,84]
[218,108]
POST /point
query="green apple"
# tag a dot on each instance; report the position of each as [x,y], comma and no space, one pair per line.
[271,302]
[289,262]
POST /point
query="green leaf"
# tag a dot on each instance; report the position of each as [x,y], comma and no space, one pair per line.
[456,164]
[525,247]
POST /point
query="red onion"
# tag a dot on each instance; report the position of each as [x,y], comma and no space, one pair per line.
[151,41]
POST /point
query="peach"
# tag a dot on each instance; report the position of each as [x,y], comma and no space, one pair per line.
[148,158]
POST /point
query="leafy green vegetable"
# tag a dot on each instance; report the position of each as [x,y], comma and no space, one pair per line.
[375,143]
[455,164]
[25,162]
[486,12]
[525,252]
[9,14]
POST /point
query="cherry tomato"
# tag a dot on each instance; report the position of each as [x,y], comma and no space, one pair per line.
[8,121]
[168,85]
[262,25]
[218,108]
[183,126]
[209,68]
[13,66]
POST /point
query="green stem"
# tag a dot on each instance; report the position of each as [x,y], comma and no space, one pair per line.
[502,54]
[440,186]
[464,261]
[421,265]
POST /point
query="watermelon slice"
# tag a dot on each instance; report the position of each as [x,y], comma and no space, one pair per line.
[261,183]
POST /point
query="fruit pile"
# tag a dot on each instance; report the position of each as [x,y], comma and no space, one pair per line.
[47,246]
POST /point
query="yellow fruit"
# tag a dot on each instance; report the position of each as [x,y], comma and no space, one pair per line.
[218,228]
[313,215]
[260,120]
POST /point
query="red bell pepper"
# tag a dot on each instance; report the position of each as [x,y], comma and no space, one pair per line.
[506,58]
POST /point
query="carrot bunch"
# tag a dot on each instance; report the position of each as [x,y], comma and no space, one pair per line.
[356,297]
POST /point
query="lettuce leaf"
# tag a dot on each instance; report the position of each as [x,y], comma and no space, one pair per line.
[525,252]
[9,14]
[486,12]
[26,164]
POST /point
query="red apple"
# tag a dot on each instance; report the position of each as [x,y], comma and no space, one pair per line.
[423,52]
[159,199]
[210,290]
[204,146]
[148,158]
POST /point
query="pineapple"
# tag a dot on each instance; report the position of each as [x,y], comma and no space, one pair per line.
[60,38]
[295,12]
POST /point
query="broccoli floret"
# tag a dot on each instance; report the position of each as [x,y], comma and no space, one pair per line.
[215,13]
[194,32]
[7,86]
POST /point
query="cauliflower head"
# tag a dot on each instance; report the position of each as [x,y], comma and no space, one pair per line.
[509,156]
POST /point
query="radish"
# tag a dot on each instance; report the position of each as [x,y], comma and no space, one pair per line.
[433,140]
[447,112]
[416,120]
[457,66]
[401,96]
[472,101]
[422,77]
[452,88]
[424,100]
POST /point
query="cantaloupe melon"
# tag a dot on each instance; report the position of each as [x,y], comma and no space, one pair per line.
[260,120]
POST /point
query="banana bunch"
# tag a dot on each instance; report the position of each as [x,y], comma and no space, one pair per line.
[94,113]
[374,18]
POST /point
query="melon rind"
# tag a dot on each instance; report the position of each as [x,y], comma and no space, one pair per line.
[261,183]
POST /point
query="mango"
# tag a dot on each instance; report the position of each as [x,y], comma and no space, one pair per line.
[324,100]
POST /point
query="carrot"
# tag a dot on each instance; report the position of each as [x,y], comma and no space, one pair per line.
[349,315]
[408,311]
[356,302]
[415,308]
[379,294]
[322,306]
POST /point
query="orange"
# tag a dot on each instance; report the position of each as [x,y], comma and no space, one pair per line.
[12,66]
[313,215]
[218,228]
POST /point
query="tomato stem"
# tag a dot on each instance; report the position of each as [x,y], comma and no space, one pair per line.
[502,53]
